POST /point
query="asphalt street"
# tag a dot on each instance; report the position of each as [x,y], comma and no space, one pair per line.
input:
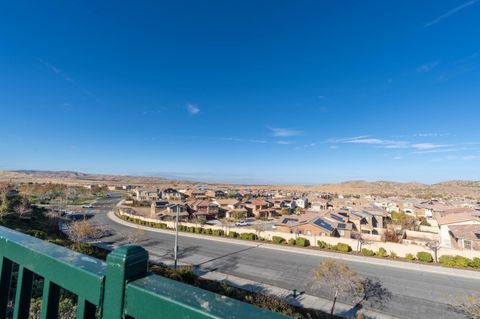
[414,293]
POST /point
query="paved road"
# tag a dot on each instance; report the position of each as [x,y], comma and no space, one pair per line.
[415,294]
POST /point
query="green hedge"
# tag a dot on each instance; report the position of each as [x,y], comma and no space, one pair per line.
[302,242]
[459,261]
[382,252]
[321,244]
[233,234]
[278,240]
[249,236]
[425,257]
[368,252]
[342,247]
[410,257]
[292,241]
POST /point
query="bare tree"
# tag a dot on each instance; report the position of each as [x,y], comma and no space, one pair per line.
[338,278]
[259,228]
[434,246]
[82,230]
[23,207]
[469,306]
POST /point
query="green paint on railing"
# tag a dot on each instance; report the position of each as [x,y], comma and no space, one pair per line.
[120,288]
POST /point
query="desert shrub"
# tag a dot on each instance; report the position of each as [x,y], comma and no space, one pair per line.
[302,242]
[292,241]
[342,247]
[278,240]
[447,260]
[367,252]
[198,230]
[322,244]
[382,252]
[207,231]
[233,234]
[425,257]
[410,257]
[248,236]
[393,254]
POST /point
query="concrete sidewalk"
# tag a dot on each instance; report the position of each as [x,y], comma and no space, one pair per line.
[436,269]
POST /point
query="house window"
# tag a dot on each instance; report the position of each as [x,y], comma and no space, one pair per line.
[467,244]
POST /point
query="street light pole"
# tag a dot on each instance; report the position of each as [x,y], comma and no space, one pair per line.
[176,241]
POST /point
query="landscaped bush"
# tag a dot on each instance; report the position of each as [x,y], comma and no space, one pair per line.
[278,240]
[367,252]
[425,257]
[455,261]
[393,254]
[475,263]
[410,257]
[382,252]
[198,230]
[322,244]
[207,231]
[342,247]
[217,232]
[248,236]
[233,234]
[292,241]
[302,242]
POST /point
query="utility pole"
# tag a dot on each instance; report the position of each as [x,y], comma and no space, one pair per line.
[175,251]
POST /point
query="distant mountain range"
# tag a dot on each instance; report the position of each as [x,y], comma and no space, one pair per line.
[457,188]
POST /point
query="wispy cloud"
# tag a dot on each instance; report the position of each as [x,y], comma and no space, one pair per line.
[427,67]
[372,141]
[255,141]
[284,132]
[449,13]
[428,146]
[67,78]
[193,109]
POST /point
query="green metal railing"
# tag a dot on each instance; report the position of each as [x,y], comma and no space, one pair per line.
[119,288]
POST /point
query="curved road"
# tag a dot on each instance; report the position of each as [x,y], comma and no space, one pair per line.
[415,293]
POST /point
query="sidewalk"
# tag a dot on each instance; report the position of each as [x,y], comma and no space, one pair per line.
[313,252]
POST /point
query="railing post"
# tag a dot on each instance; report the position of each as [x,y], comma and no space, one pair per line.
[124,264]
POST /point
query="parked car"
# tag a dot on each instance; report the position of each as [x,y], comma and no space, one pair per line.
[87,206]
[241,223]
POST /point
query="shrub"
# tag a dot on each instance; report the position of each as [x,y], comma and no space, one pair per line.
[393,254]
[233,234]
[292,241]
[217,232]
[248,236]
[367,252]
[198,230]
[425,223]
[410,257]
[425,257]
[382,252]
[461,261]
[475,263]
[207,231]
[278,240]
[322,244]
[342,247]
[302,242]
[447,260]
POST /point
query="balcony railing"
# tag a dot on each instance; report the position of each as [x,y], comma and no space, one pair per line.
[119,288]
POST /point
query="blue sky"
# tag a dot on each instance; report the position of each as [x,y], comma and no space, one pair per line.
[248,91]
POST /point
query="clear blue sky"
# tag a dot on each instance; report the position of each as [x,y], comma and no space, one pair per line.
[247,91]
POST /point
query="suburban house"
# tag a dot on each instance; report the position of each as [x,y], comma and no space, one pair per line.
[254,206]
[465,236]
[201,208]
[146,194]
[167,211]
[172,194]
[312,227]
[301,202]
[318,205]
[445,221]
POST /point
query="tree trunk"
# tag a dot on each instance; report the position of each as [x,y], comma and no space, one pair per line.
[333,305]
